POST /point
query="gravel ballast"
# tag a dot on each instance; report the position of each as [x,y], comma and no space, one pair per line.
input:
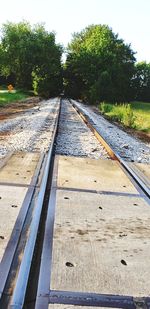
[74,137]
[29,131]
[128,147]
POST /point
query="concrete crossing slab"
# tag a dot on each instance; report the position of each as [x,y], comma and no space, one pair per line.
[101,240]
[101,175]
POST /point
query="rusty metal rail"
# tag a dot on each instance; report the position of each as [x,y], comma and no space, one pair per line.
[46,295]
[115,156]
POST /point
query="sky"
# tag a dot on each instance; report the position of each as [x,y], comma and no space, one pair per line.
[128,18]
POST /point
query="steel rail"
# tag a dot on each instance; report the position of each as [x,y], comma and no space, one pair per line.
[45,295]
[10,250]
[113,154]
[23,275]
[42,298]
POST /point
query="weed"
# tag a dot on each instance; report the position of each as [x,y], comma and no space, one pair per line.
[119,112]
[105,107]
[128,118]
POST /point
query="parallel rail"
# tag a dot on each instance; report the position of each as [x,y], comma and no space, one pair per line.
[46,296]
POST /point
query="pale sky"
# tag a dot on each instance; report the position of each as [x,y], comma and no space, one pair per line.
[129,18]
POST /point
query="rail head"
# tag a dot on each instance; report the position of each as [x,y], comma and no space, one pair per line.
[23,275]
[113,154]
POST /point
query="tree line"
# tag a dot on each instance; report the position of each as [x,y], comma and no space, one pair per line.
[99,66]
[30,58]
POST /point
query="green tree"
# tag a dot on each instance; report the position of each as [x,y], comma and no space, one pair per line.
[32,56]
[99,65]
[141,82]
[15,45]
[47,70]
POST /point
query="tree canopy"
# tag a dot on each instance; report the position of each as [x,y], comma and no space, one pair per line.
[99,65]
[32,56]
[141,82]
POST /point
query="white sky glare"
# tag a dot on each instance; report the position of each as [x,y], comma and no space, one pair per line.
[129,18]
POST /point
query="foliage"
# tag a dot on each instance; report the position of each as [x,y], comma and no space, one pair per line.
[119,112]
[105,107]
[135,115]
[141,82]
[25,50]
[99,66]
[128,116]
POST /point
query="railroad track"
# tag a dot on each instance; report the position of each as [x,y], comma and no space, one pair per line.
[140,179]
[29,269]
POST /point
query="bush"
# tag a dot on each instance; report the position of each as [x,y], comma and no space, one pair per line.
[105,107]
[128,116]
[119,112]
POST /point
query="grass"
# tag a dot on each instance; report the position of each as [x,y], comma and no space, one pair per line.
[9,97]
[142,112]
[134,115]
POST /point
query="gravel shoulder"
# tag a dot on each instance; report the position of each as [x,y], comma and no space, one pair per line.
[28,130]
[128,147]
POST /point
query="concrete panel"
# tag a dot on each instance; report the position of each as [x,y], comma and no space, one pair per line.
[101,175]
[101,243]
[11,199]
[20,168]
[142,170]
